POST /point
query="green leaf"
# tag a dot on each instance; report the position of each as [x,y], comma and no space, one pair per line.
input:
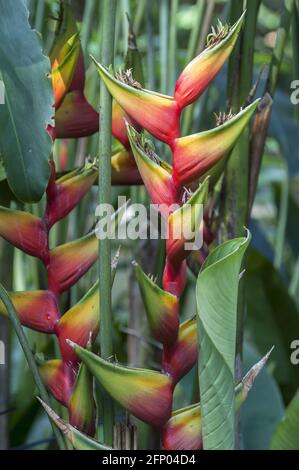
[24,143]
[286,436]
[272,309]
[217,295]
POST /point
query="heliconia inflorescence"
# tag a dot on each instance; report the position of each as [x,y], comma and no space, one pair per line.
[179,190]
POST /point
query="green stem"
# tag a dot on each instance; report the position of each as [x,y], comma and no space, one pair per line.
[86,22]
[172,66]
[237,172]
[125,24]
[233,81]
[282,221]
[39,15]
[104,195]
[150,48]
[163,25]
[29,357]
[194,36]
[139,15]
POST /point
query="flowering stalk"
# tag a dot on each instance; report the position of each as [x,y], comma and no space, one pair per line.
[178,191]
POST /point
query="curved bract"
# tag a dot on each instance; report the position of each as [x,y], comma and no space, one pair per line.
[195,78]
[196,154]
[159,116]
[144,393]
[162,308]
[81,323]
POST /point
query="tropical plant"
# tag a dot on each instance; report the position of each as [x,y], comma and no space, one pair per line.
[184,382]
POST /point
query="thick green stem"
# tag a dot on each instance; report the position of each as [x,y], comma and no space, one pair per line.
[237,173]
[86,22]
[29,357]
[172,66]
[104,267]
[150,48]
[39,15]
[282,221]
[194,36]
[164,20]
[139,15]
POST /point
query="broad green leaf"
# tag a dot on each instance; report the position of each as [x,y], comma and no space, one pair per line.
[217,295]
[24,142]
[286,435]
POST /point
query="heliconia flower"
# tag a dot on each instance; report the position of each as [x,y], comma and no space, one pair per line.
[183,430]
[82,406]
[184,225]
[37,310]
[124,170]
[78,80]
[59,379]
[25,231]
[162,308]
[80,324]
[119,130]
[195,155]
[195,78]
[78,440]
[144,393]
[65,193]
[155,173]
[174,277]
[157,113]
[63,68]
[179,358]
[70,261]
[74,118]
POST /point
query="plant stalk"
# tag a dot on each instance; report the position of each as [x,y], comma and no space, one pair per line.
[104,197]
[163,25]
[172,66]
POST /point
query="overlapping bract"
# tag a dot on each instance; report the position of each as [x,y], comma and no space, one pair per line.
[64,265]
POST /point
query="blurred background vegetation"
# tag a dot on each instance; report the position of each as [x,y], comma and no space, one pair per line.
[169,33]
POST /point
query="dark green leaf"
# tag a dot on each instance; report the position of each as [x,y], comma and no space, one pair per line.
[273,319]
[286,436]
[24,143]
